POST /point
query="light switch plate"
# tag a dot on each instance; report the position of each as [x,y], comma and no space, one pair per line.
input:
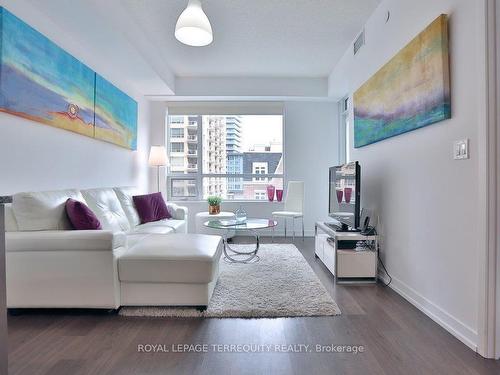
[461,149]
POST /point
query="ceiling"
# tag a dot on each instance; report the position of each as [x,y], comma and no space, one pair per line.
[254,38]
[134,39]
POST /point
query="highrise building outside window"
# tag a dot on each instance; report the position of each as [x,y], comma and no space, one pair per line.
[234,157]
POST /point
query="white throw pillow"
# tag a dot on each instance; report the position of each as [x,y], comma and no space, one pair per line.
[44,210]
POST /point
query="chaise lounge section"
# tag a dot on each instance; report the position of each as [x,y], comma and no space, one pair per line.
[187,276]
[48,265]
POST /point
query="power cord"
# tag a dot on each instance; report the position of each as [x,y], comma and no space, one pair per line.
[374,231]
[385,270]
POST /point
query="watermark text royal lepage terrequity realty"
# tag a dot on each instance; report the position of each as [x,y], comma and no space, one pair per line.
[249,348]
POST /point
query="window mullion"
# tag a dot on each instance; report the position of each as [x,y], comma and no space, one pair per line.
[199,147]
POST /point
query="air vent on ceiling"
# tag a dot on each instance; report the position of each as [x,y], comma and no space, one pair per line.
[359,42]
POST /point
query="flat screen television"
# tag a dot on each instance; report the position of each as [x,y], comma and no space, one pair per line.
[344,195]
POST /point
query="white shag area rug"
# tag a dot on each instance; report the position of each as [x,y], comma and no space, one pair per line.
[280,284]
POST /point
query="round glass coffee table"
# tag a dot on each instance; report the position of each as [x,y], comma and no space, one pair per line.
[249,225]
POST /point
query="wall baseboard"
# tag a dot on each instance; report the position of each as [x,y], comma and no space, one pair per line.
[454,326]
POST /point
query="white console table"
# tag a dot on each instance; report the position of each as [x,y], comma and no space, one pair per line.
[346,265]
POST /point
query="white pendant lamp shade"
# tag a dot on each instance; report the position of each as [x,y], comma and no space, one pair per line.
[193,27]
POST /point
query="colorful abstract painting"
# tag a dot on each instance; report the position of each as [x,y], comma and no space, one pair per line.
[40,81]
[115,115]
[411,91]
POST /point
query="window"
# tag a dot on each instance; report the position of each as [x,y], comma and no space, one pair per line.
[176,120]
[260,195]
[176,133]
[232,156]
[259,168]
[182,188]
[176,161]
[346,124]
[345,136]
[177,147]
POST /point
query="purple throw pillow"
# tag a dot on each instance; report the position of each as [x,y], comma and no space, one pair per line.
[151,207]
[80,216]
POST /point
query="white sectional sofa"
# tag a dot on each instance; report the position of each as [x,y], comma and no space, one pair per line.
[48,265]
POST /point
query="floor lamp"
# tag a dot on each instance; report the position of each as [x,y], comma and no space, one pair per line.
[158,158]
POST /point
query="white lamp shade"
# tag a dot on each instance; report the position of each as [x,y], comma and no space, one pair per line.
[193,27]
[158,156]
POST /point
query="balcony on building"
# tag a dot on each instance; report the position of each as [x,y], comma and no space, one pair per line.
[233,133]
[177,168]
[192,167]
[192,139]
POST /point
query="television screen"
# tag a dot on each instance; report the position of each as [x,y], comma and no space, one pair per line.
[345,194]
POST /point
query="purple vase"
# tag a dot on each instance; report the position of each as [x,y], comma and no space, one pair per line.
[270,192]
[279,195]
[347,194]
[340,195]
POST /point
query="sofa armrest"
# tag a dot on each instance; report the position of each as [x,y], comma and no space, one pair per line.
[177,212]
[65,240]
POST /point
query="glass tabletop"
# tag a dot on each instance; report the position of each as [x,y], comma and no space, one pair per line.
[245,225]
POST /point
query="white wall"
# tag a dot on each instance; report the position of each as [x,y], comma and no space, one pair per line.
[311,138]
[39,157]
[428,203]
[497,40]
[255,86]
[311,147]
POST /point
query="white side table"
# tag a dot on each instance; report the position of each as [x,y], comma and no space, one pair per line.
[202,217]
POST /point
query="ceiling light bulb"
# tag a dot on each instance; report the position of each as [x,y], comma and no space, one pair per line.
[193,27]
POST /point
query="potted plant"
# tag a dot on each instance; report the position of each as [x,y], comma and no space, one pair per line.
[214,204]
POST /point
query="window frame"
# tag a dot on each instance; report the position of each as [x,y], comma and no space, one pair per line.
[344,107]
[199,175]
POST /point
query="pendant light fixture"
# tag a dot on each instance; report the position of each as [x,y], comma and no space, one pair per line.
[193,27]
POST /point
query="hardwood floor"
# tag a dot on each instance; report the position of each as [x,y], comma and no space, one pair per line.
[397,338]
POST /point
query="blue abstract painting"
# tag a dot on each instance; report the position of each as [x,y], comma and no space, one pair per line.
[115,115]
[40,81]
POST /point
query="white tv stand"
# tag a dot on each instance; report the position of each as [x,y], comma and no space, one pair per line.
[346,265]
